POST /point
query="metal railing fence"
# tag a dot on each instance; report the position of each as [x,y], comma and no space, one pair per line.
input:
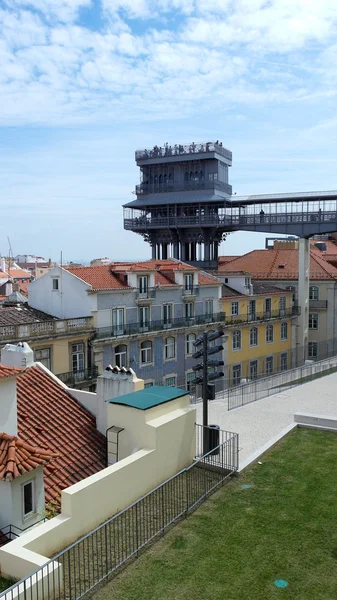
[79,568]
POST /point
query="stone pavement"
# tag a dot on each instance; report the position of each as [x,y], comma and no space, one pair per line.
[261,421]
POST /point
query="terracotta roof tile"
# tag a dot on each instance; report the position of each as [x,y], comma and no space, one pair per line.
[18,457]
[100,278]
[48,417]
[9,371]
[279,264]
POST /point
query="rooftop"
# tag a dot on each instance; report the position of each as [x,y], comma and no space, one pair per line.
[17,457]
[149,397]
[279,264]
[21,315]
[182,149]
[48,417]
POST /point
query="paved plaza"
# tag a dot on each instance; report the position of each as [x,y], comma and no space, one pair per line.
[260,422]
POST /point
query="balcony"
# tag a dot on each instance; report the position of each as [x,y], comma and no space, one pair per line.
[263,316]
[186,186]
[190,292]
[182,149]
[318,304]
[151,326]
[148,294]
[72,379]
[45,329]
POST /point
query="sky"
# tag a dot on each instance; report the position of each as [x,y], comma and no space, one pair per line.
[84,83]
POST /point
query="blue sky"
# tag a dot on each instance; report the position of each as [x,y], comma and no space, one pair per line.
[84,83]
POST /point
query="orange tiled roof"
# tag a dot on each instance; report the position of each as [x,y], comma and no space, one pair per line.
[9,371]
[279,264]
[17,457]
[100,278]
[48,417]
[226,259]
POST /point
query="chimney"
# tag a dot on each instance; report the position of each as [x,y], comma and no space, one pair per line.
[3,265]
[114,382]
[9,287]
[17,355]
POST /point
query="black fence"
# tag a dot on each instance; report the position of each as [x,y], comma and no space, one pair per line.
[79,568]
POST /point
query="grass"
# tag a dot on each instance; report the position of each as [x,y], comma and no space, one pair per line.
[239,542]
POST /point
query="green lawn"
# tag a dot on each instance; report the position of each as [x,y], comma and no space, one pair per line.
[241,540]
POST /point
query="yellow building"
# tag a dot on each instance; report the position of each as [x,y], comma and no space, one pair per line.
[260,325]
[62,345]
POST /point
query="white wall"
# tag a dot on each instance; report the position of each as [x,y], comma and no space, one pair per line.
[6,503]
[11,505]
[71,300]
[8,406]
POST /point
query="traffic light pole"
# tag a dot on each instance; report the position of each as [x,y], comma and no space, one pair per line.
[205,395]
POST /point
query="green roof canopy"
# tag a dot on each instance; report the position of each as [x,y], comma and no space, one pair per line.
[149,397]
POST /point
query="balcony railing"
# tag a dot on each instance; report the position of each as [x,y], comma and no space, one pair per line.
[263,316]
[58,327]
[148,294]
[191,291]
[72,379]
[134,328]
[317,304]
[181,149]
[170,186]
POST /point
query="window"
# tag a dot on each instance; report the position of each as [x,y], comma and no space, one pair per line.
[284,331]
[253,336]
[167,315]
[247,281]
[236,374]
[284,362]
[267,307]
[253,369]
[148,384]
[28,499]
[212,176]
[189,282]
[269,365]
[236,340]
[146,352]
[77,357]
[170,347]
[121,355]
[283,304]
[269,334]
[252,310]
[235,309]
[190,377]
[209,308]
[170,381]
[314,292]
[144,317]
[189,310]
[190,339]
[312,350]
[43,356]
[142,285]
[118,321]
[55,284]
[291,287]
[313,320]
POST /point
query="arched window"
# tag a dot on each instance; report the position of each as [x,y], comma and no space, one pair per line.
[170,177]
[314,292]
[190,339]
[201,176]
[165,178]
[191,176]
[170,347]
[146,352]
[253,336]
[160,179]
[186,176]
[196,176]
[121,355]
[155,179]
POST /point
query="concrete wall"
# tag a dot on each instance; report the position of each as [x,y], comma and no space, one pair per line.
[169,447]
[11,494]
[69,301]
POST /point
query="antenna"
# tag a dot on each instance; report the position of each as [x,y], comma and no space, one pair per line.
[10,259]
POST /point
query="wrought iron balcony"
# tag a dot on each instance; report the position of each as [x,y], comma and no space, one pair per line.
[175,186]
[190,291]
[72,379]
[162,325]
[263,316]
[182,149]
[148,294]
[318,304]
